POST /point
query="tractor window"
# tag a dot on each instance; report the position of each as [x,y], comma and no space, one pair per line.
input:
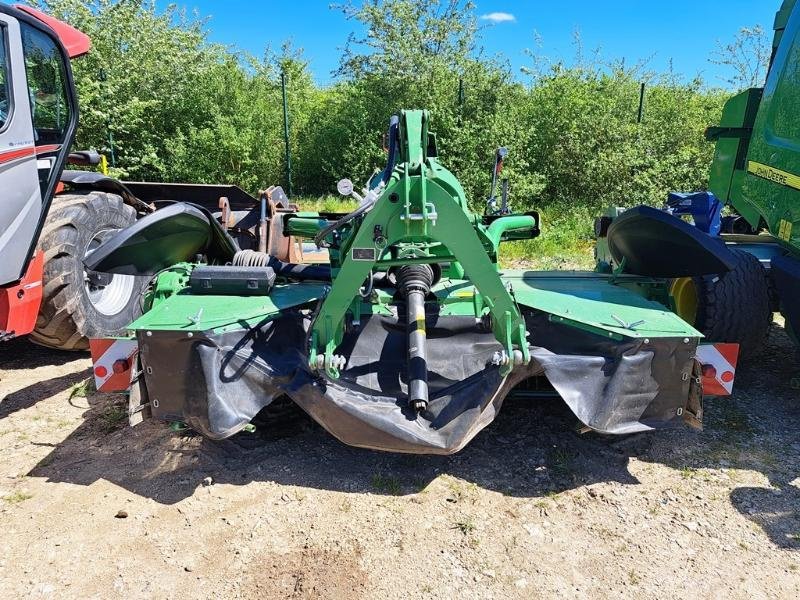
[47,90]
[5,89]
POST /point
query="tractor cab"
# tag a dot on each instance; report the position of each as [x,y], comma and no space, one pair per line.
[46,229]
[38,117]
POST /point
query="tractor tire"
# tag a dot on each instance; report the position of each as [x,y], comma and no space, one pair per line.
[736,306]
[77,304]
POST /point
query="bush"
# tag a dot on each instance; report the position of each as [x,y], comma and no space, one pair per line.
[172,106]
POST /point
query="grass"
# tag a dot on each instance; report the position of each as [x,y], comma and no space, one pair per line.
[460,491]
[604,533]
[466,526]
[388,485]
[566,240]
[80,390]
[562,461]
[17,497]
[113,417]
[329,203]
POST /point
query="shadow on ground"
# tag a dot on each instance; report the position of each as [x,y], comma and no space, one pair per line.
[532,449]
[23,354]
[30,395]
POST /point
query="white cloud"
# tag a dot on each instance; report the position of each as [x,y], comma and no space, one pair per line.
[499,17]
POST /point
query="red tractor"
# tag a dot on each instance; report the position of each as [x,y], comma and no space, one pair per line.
[48,226]
[52,219]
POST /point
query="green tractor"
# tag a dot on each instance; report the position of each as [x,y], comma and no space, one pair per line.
[756,173]
[757,169]
[411,335]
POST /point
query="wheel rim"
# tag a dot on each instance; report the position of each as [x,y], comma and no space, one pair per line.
[109,294]
[684,295]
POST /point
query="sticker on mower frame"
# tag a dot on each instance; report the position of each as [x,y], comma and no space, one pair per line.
[719,367]
[364,254]
[113,362]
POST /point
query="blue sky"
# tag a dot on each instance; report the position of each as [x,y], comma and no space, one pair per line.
[686,31]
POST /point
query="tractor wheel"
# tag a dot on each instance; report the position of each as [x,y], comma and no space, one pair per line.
[78,304]
[732,307]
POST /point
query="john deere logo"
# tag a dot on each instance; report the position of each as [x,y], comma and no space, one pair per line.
[775,175]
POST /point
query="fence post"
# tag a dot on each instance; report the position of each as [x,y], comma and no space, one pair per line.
[286,136]
[641,104]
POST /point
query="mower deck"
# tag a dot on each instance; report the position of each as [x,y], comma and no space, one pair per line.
[621,362]
[410,338]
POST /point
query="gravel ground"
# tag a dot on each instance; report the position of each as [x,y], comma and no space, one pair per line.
[532,508]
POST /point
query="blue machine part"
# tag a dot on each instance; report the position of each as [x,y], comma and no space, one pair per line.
[704,208]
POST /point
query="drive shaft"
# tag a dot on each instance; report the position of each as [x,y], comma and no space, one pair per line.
[414,281]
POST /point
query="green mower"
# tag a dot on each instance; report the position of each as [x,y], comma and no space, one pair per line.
[410,336]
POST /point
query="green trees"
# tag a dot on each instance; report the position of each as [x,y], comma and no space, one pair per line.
[173,106]
[142,83]
[746,58]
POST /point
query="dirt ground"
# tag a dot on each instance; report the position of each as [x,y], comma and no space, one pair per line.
[530,509]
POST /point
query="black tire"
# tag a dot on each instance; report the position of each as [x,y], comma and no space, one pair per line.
[735,307]
[68,315]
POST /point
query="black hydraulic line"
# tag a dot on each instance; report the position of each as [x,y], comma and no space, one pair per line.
[394,125]
[319,239]
[286,135]
[415,281]
[298,272]
[499,156]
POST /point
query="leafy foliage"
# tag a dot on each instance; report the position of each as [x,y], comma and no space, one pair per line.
[173,106]
[746,57]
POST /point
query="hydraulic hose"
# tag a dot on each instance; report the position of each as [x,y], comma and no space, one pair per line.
[394,126]
[414,282]
[319,239]
[252,258]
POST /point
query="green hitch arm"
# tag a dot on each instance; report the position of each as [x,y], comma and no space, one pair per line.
[502,225]
[305,227]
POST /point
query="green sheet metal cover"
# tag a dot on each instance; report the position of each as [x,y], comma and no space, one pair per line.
[593,300]
[185,312]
